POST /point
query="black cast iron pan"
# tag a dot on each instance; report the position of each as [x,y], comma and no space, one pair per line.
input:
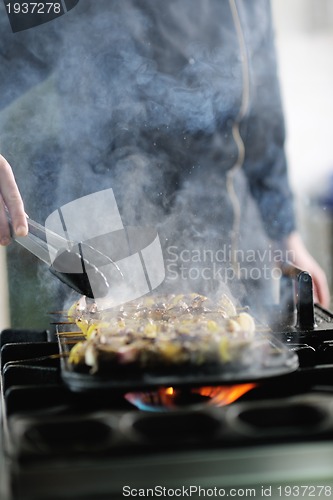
[264,359]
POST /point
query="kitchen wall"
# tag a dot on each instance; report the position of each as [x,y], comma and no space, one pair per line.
[304,35]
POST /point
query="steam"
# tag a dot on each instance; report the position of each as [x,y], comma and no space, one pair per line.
[104,102]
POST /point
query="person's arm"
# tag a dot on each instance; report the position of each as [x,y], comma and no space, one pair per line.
[11,199]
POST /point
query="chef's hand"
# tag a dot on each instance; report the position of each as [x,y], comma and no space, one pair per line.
[10,197]
[303,260]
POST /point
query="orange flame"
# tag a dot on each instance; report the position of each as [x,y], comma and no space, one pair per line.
[217,395]
[224,395]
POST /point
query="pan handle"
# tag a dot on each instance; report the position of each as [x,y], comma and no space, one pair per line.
[303,297]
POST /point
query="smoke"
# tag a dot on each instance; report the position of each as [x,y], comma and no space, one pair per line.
[139,97]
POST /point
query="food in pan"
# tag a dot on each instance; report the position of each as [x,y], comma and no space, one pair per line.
[159,334]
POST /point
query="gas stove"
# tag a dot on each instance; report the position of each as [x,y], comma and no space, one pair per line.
[270,436]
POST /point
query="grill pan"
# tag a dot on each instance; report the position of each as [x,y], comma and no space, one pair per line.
[272,354]
[268,358]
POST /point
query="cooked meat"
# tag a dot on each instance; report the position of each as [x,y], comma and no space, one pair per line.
[161,332]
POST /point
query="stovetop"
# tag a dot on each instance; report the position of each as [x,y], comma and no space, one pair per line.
[58,445]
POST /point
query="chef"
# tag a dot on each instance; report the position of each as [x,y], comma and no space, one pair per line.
[175,106]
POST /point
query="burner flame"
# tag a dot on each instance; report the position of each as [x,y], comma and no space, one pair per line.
[170,398]
[224,395]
